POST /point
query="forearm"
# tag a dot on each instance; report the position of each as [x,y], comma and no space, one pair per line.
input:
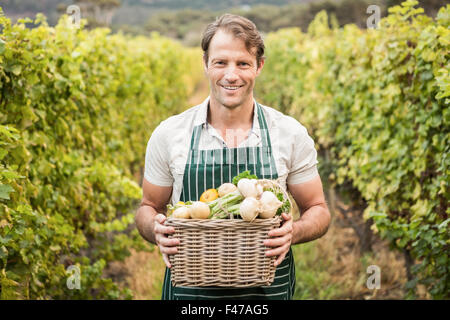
[312,225]
[145,219]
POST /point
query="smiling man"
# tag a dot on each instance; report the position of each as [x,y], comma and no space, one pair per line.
[228,133]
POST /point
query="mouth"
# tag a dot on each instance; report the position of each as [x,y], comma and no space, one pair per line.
[231,88]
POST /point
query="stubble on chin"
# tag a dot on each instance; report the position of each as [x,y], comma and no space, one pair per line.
[233,104]
[226,102]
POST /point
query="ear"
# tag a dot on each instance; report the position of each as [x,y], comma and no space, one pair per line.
[260,67]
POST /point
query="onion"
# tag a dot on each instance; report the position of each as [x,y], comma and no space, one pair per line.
[249,188]
[199,210]
[269,205]
[182,213]
[249,209]
[226,188]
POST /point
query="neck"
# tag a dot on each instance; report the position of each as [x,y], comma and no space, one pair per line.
[222,118]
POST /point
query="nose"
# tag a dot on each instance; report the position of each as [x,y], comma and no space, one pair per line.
[231,74]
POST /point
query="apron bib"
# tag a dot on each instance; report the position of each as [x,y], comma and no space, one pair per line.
[206,169]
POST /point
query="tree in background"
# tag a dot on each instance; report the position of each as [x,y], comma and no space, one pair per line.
[187,25]
[184,24]
[431,7]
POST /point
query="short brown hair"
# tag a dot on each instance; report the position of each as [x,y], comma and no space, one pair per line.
[241,28]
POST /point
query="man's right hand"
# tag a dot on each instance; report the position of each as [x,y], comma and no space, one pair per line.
[166,245]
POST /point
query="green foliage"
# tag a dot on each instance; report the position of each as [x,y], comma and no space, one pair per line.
[77,109]
[244,175]
[377,101]
[313,278]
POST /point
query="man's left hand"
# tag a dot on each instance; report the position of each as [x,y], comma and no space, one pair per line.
[281,239]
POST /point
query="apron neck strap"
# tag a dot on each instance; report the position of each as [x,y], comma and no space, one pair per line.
[264,130]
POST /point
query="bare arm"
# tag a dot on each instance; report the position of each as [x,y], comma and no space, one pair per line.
[150,219]
[154,201]
[315,217]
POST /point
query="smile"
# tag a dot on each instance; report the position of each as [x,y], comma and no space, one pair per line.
[231,88]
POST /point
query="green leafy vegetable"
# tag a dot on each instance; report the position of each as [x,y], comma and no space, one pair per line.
[244,174]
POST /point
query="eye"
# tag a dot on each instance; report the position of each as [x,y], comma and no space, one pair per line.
[244,64]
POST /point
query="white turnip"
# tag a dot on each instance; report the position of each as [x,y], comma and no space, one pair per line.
[182,213]
[226,188]
[249,188]
[199,210]
[269,205]
[249,209]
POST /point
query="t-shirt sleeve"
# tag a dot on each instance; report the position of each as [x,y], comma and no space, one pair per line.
[303,159]
[157,168]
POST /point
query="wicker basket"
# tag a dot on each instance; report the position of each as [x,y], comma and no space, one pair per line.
[222,252]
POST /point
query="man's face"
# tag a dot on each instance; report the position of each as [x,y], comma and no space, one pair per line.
[231,70]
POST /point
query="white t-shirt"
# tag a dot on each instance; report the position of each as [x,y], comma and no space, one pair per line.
[168,147]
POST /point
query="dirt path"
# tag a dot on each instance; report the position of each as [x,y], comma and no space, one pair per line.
[347,270]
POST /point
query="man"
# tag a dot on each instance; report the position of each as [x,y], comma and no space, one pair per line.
[229,133]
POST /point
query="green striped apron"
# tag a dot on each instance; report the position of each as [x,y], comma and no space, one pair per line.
[207,169]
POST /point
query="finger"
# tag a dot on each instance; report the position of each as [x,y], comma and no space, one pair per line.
[277,251]
[285,229]
[277,242]
[286,216]
[166,260]
[168,250]
[160,218]
[163,229]
[168,242]
[280,259]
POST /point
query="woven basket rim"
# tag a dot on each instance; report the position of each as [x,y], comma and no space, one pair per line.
[210,223]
